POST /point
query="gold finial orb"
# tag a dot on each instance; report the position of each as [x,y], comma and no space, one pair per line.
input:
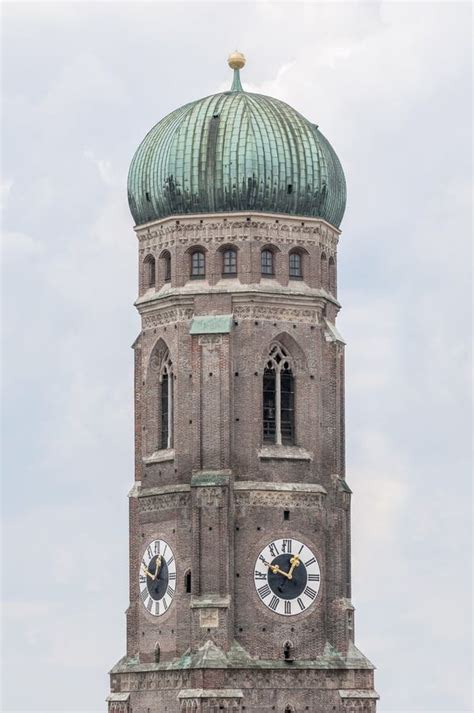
[236,60]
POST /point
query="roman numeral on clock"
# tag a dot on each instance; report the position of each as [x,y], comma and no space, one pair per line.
[142,579]
[287,607]
[260,575]
[172,575]
[171,559]
[149,552]
[149,604]
[300,604]
[170,592]
[309,592]
[274,603]
[157,547]
[311,561]
[273,549]
[313,577]
[264,591]
[144,595]
[287,546]
[157,608]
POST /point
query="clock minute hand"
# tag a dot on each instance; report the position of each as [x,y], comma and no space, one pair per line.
[275,569]
[148,573]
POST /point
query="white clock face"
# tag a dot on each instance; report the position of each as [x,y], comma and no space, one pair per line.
[287,576]
[157,578]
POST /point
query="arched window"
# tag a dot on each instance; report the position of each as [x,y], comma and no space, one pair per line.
[324,271]
[149,271]
[332,276]
[166,402]
[187,582]
[295,265]
[166,261]
[198,264]
[278,398]
[229,262]
[266,260]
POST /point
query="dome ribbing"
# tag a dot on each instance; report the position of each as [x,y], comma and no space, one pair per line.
[236,151]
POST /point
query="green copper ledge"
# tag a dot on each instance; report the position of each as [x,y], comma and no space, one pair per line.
[236,151]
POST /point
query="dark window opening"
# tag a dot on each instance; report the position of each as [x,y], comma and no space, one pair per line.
[167,261]
[286,514]
[164,410]
[295,265]
[187,582]
[148,197]
[229,262]
[157,653]
[267,262]
[290,188]
[198,264]
[287,406]
[150,271]
[269,413]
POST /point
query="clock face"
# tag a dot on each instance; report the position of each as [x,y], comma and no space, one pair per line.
[287,577]
[157,577]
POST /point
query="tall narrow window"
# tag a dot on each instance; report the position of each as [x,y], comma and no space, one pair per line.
[229,263]
[149,271]
[166,257]
[187,582]
[278,398]
[166,403]
[332,275]
[198,264]
[267,262]
[324,271]
[295,265]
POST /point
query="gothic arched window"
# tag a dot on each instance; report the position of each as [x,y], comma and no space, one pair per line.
[295,265]
[266,262]
[278,398]
[166,402]
[198,264]
[149,271]
[166,261]
[229,262]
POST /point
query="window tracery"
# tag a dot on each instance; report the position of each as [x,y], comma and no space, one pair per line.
[166,402]
[278,398]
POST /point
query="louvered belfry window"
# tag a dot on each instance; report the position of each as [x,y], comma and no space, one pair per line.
[278,398]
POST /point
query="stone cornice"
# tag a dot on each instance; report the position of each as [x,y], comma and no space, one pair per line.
[221,228]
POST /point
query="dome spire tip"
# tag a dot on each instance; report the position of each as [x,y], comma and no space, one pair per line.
[236,61]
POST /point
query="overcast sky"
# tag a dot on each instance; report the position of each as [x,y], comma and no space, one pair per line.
[389,85]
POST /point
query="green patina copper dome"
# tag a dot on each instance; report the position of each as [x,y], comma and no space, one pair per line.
[236,151]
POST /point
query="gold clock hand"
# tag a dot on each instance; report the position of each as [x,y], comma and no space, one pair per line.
[295,562]
[275,569]
[148,573]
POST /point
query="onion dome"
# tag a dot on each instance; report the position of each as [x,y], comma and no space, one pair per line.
[236,151]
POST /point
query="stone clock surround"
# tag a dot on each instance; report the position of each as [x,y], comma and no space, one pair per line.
[220,494]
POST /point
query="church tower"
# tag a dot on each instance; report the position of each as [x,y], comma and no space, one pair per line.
[240,563]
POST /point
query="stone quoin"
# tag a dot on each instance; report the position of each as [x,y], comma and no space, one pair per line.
[240,554]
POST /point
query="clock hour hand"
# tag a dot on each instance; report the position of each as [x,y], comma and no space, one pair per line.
[295,562]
